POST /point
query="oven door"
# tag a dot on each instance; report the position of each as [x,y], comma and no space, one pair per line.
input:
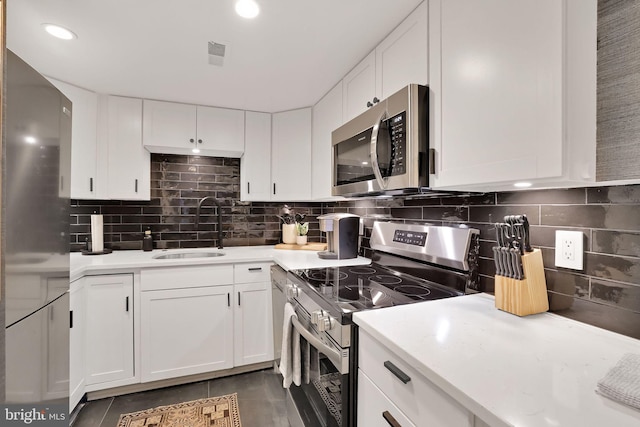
[323,401]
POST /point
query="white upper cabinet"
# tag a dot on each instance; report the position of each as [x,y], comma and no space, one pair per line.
[129,163]
[291,155]
[173,128]
[255,165]
[88,175]
[359,88]
[327,116]
[400,59]
[513,87]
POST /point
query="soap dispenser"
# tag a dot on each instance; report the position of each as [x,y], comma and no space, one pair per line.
[147,241]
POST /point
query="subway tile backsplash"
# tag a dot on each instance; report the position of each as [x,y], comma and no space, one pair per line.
[605,293]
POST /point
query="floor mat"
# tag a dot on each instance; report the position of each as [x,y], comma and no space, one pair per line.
[328,385]
[219,411]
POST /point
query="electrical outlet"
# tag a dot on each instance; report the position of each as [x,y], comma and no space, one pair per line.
[569,249]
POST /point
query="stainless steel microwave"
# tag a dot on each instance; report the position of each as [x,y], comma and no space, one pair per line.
[385,149]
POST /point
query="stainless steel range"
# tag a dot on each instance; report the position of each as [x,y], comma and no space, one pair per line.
[410,263]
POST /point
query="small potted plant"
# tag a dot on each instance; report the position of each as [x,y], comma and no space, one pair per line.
[302,229]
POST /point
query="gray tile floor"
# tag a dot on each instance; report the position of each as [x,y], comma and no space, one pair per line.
[260,399]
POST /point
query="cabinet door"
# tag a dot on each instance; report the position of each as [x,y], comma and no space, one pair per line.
[291,155]
[253,323]
[401,58]
[375,409]
[186,331]
[168,127]
[129,163]
[220,131]
[359,87]
[56,358]
[76,343]
[84,145]
[496,79]
[109,333]
[255,165]
[327,116]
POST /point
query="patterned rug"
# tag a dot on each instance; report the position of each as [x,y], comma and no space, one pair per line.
[219,411]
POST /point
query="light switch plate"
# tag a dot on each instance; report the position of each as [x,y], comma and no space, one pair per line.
[569,249]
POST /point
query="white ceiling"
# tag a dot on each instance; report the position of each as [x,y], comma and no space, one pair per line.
[288,57]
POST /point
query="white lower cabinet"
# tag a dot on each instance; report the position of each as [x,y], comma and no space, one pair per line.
[417,399]
[186,331]
[77,343]
[253,314]
[375,409]
[109,329]
[196,319]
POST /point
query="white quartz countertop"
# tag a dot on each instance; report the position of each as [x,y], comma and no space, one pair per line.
[129,260]
[534,371]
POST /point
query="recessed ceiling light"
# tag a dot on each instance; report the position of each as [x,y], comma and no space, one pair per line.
[522,184]
[59,32]
[247,8]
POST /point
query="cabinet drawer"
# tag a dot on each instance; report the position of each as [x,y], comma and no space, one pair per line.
[419,399]
[252,272]
[192,276]
[374,408]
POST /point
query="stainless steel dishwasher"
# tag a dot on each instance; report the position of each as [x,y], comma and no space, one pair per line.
[279,298]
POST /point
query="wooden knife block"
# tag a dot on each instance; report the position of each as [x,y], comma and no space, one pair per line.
[524,297]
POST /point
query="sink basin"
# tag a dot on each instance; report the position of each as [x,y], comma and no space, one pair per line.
[181,255]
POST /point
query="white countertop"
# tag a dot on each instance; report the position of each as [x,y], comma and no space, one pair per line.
[128,260]
[534,371]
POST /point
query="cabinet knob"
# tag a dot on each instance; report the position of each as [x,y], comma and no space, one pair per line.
[191,140]
[369,104]
[199,141]
[375,100]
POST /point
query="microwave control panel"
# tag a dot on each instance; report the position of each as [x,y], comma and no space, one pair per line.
[398,136]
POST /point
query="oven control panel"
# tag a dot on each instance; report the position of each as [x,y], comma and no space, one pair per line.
[415,238]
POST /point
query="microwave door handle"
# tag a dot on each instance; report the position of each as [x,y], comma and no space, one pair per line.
[374,151]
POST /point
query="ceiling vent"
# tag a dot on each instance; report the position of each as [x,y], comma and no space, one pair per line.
[217,52]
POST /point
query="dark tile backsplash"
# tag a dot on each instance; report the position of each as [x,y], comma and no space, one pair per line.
[177,183]
[606,293]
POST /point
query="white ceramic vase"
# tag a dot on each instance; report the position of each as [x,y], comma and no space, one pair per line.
[301,240]
[289,233]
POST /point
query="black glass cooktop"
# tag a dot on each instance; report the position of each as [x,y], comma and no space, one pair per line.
[363,287]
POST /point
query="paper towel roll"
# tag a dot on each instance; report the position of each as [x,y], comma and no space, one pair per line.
[97,242]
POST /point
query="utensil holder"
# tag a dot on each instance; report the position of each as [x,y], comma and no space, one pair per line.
[527,296]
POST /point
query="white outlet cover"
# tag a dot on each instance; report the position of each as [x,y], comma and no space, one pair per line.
[570,249]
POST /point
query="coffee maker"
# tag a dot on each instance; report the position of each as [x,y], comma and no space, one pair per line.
[342,235]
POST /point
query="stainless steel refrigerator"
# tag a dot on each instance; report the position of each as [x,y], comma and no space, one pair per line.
[35,229]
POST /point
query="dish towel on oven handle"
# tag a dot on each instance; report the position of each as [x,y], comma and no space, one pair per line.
[622,382]
[290,357]
[310,361]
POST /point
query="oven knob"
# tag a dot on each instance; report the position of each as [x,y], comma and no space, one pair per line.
[317,315]
[292,291]
[325,323]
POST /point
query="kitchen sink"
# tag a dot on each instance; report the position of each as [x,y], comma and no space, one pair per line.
[182,255]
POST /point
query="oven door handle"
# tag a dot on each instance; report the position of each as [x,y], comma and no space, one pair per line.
[333,355]
[374,151]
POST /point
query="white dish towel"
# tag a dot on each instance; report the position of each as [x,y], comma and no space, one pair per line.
[290,357]
[622,382]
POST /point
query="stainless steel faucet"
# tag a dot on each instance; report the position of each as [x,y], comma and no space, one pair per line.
[217,203]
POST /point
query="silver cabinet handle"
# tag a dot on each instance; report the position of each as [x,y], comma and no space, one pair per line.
[389,418]
[397,372]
